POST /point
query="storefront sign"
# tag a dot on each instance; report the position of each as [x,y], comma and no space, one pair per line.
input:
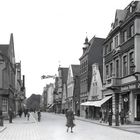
[128,87]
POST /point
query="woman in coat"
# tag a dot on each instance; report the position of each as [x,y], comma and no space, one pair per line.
[70,119]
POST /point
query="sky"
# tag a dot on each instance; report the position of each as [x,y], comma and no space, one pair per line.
[49,33]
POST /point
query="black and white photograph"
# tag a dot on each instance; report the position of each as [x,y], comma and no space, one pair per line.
[69,70]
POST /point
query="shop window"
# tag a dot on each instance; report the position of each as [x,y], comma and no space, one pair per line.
[4,105]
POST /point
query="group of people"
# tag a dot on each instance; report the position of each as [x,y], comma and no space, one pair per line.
[20,112]
[106,116]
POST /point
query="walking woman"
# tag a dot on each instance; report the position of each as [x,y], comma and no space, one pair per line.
[70,118]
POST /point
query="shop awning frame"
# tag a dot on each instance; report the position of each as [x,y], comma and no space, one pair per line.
[96,103]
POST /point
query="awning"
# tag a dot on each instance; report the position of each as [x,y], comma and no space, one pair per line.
[51,105]
[96,103]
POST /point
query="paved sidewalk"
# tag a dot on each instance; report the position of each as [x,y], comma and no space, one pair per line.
[126,127]
[17,120]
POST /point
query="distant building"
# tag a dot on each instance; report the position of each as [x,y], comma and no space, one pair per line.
[44,98]
[19,89]
[73,88]
[92,53]
[50,97]
[62,77]
[7,77]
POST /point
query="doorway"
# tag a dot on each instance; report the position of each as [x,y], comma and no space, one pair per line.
[138,107]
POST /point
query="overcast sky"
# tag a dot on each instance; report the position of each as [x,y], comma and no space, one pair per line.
[52,32]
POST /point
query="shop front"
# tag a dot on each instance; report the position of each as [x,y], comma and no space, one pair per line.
[130,95]
[94,107]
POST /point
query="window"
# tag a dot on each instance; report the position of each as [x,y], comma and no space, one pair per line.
[111,69]
[124,65]
[131,30]
[124,36]
[4,105]
[107,71]
[116,41]
[117,68]
[106,49]
[131,62]
[111,46]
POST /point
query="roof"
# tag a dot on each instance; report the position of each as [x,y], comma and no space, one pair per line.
[75,70]
[122,15]
[4,49]
[94,41]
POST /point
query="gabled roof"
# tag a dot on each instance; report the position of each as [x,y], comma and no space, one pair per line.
[75,69]
[123,15]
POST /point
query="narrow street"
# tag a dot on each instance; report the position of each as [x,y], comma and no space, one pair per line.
[52,127]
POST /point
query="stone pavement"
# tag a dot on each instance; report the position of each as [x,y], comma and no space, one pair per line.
[11,131]
[32,127]
[126,127]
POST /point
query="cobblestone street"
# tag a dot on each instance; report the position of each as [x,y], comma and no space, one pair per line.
[52,127]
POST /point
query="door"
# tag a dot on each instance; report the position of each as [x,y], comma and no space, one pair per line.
[138,107]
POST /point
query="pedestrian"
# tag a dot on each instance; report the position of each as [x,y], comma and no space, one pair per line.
[39,115]
[10,112]
[28,116]
[70,118]
[122,116]
[86,112]
[20,113]
[100,115]
[110,117]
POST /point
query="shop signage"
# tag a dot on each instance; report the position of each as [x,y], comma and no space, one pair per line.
[128,87]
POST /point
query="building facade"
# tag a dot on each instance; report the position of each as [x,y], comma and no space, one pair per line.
[92,53]
[7,77]
[62,78]
[121,63]
[19,89]
[73,88]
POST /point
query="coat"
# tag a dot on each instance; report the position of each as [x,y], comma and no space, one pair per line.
[70,118]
